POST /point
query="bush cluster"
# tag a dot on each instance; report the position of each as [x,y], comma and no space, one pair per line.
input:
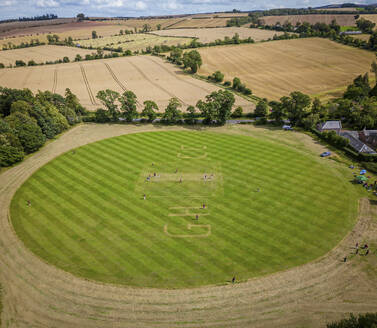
[28,120]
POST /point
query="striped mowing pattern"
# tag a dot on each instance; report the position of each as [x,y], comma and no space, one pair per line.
[88,216]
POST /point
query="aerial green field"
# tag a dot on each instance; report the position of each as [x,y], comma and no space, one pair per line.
[267,207]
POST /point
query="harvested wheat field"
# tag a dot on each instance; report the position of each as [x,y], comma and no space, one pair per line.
[211,34]
[134,42]
[364,37]
[342,20]
[139,23]
[19,27]
[83,32]
[41,54]
[274,69]
[149,77]
[372,18]
[200,23]
[38,294]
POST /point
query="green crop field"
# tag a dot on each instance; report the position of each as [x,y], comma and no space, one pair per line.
[267,208]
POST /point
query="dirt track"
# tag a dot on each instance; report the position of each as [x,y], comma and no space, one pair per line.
[39,295]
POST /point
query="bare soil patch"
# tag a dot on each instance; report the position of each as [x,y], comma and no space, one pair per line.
[37,294]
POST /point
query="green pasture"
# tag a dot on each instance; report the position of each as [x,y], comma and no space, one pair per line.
[266,208]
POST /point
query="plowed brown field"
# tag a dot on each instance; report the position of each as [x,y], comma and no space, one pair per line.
[149,77]
[274,69]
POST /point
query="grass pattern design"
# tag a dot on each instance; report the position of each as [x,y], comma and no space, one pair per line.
[267,208]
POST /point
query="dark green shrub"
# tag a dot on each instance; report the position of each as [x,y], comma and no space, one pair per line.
[368,320]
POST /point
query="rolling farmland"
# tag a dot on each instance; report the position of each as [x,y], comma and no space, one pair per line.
[211,34]
[342,20]
[200,23]
[134,42]
[149,77]
[41,54]
[274,69]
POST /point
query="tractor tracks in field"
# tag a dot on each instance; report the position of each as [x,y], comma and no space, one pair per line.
[117,81]
[156,84]
[55,82]
[90,93]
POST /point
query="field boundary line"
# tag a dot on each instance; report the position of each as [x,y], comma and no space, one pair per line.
[55,82]
[156,84]
[90,93]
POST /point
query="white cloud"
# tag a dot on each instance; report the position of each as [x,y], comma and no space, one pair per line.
[47,4]
[7,3]
[140,5]
[171,5]
[109,3]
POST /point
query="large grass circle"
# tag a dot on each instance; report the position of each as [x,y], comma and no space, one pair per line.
[267,208]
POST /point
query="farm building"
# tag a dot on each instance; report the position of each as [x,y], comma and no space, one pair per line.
[356,143]
[330,126]
[369,137]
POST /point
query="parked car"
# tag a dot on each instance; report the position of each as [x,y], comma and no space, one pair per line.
[287,128]
[325,154]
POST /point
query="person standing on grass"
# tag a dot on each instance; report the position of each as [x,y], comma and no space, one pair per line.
[233,279]
[145,196]
[28,203]
[197,217]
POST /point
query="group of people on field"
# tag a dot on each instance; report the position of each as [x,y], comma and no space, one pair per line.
[364,252]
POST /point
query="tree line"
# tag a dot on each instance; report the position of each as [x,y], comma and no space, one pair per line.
[216,108]
[28,120]
[33,18]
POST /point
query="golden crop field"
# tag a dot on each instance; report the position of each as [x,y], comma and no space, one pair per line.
[364,37]
[372,18]
[342,20]
[77,34]
[200,23]
[274,69]
[139,23]
[41,54]
[134,42]
[149,77]
[211,34]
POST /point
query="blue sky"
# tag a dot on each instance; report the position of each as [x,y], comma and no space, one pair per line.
[69,8]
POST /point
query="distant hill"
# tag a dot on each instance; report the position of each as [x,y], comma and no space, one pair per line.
[347,5]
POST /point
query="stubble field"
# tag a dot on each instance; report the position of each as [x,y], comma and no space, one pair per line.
[42,54]
[274,69]
[150,78]
[206,35]
[134,42]
[342,20]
